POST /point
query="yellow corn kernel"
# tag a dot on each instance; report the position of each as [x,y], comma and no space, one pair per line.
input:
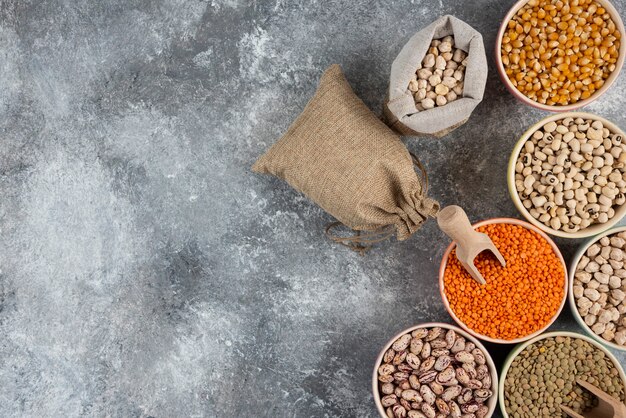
[556,51]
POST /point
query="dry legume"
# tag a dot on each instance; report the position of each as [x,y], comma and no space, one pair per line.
[557,52]
[571,174]
[434,372]
[600,288]
[543,376]
[518,299]
[439,80]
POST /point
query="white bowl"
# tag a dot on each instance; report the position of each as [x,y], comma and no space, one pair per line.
[591,230]
[572,301]
[520,347]
[491,403]
[552,108]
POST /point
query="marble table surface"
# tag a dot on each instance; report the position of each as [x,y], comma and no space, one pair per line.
[146,271]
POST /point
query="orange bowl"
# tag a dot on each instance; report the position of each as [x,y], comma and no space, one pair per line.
[442,270]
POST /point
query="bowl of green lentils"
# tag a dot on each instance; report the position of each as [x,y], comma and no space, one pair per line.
[539,375]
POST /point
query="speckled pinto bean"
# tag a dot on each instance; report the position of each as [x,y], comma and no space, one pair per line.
[571,174]
[429,388]
[600,288]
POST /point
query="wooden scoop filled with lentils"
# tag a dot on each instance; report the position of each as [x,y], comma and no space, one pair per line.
[559,52]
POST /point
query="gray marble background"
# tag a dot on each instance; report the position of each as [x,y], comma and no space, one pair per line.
[145,271]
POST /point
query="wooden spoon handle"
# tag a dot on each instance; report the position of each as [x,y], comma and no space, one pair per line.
[454,223]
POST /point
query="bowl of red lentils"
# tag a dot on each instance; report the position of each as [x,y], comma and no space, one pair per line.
[560,55]
[518,301]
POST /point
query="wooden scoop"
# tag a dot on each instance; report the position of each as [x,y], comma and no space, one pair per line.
[469,243]
[608,406]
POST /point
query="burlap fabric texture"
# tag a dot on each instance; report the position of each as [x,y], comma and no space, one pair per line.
[400,111]
[340,155]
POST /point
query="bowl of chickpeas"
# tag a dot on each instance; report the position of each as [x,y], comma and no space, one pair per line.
[560,55]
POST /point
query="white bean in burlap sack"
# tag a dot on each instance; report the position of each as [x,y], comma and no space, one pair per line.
[400,110]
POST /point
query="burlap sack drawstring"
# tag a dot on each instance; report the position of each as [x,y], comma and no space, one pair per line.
[361,242]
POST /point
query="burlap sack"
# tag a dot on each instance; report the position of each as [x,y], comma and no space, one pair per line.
[340,155]
[400,111]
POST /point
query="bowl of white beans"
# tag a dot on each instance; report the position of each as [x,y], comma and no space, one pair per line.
[567,174]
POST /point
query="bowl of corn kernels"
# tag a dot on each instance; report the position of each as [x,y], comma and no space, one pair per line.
[560,55]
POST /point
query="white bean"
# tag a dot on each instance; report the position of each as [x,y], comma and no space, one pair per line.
[568,165]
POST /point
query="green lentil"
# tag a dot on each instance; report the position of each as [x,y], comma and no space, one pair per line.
[543,376]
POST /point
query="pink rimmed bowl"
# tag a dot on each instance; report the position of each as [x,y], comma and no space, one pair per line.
[554,108]
[446,302]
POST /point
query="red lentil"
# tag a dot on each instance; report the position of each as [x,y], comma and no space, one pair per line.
[518,299]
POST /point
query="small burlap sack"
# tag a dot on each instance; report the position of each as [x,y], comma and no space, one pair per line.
[340,155]
[400,111]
